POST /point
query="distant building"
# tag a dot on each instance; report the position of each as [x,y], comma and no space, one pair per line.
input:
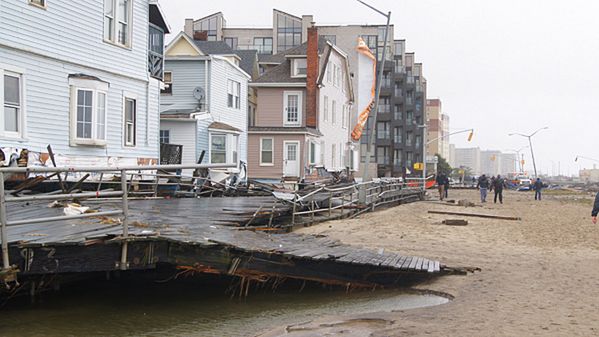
[451,158]
[468,158]
[438,129]
[490,162]
[509,163]
[589,175]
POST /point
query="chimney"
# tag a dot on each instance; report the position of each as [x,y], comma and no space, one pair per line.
[307,22]
[188,29]
[311,78]
[200,35]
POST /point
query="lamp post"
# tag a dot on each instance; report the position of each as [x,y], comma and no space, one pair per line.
[425,144]
[371,134]
[518,156]
[534,164]
[587,158]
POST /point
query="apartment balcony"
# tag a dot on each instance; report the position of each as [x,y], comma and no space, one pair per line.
[398,95]
[397,116]
[156,52]
[382,134]
[409,100]
[384,108]
[410,82]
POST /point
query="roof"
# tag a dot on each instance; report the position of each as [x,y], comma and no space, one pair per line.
[269,58]
[214,47]
[179,113]
[248,60]
[282,72]
[223,126]
[312,131]
[157,16]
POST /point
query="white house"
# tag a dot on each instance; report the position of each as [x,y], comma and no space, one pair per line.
[204,103]
[83,77]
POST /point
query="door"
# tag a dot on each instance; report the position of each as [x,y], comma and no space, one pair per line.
[291,163]
[293,108]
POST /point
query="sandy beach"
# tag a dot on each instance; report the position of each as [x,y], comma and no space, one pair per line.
[538,277]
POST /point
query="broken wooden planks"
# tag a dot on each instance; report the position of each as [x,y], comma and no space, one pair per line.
[455,222]
[487,216]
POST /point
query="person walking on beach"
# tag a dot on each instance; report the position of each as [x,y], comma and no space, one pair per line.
[498,185]
[441,178]
[446,190]
[595,209]
[538,186]
[483,185]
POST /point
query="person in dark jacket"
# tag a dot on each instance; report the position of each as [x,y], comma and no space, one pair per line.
[441,178]
[498,185]
[595,209]
[538,186]
[446,187]
[483,186]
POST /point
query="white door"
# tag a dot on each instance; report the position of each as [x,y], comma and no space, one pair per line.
[291,164]
[293,108]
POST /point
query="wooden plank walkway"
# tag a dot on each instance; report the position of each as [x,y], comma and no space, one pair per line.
[187,223]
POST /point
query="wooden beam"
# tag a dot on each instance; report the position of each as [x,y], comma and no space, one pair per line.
[487,216]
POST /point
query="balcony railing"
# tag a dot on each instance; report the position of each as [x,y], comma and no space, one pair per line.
[409,100]
[382,134]
[384,108]
[386,83]
[410,80]
[398,92]
[397,115]
[262,49]
[156,52]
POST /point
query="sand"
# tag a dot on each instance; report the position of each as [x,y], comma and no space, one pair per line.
[539,276]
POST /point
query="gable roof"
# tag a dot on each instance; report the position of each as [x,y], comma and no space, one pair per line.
[214,47]
[249,61]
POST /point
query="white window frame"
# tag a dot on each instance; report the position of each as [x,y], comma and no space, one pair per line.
[39,3]
[96,87]
[333,156]
[326,108]
[234,91]
[168,83]
[300,101]
[115,23]
[126,142]
[344,116]
[230,148]
[167,133]
[295,68]
[272,150]
[22,126]
[329,75]
[334,112]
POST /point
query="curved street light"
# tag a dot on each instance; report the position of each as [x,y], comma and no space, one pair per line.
[534,164]
[518,156]
[587,158]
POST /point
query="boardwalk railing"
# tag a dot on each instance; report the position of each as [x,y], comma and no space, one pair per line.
[324,201]
[123,171]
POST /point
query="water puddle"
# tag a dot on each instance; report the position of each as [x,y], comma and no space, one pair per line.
[185,310]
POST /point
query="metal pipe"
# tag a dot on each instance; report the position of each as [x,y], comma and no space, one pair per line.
[4,234]
[125,190]
[61,218]
[111,169]
[63,196]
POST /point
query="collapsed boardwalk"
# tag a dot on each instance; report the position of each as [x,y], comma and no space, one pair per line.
[194,236]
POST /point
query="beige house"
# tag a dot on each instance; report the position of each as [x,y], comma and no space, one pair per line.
[302,115]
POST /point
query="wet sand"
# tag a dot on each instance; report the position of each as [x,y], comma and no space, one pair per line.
[539,276]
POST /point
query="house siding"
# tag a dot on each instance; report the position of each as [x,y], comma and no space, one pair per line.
[72,31]
[47,112]
[276,170]
[186,75]
[270,106]
[183,133]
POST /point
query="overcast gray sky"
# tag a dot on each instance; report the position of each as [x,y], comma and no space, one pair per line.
[498,66]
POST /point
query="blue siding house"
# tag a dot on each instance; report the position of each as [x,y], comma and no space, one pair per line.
[204,101]
[83,77]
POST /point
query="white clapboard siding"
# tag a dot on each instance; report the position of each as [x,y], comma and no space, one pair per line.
[183,133]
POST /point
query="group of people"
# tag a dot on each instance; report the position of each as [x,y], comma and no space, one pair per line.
[496,184]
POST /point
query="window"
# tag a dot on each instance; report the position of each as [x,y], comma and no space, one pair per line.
[88,111]
[329,72]
[292,108]
[266,152]
[371,42]
[117,15]
[333,155]
[224,148]
[409,138]
[334,112]
[209,26]
[168,83]
[326,108]
[299,67]
[12,118]
[335,79]
[409,117]
[382,130]
[218,149]
[313,154]
[418,140]
[397,157]
[289,32]
[338,77]
[382,155]
[39,3]
[130,122]
[263,45]
[165,136]
[397,135]
[233,94]
[344,116]
[231,41]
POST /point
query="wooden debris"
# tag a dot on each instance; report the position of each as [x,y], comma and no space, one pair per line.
[455,222]
[487,216]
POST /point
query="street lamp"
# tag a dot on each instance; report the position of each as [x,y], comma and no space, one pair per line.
[425,144]
[534,164]
[371,135]
[587,158]
[518,154]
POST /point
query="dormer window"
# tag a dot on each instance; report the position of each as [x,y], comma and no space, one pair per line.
[299,67]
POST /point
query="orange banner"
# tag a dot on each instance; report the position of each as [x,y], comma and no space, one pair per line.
[366,62]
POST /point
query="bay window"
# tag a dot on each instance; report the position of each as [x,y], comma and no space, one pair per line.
[224,148]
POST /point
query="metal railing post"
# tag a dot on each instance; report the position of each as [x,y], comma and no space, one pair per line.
[4,235]
[124,188]
[330,203]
